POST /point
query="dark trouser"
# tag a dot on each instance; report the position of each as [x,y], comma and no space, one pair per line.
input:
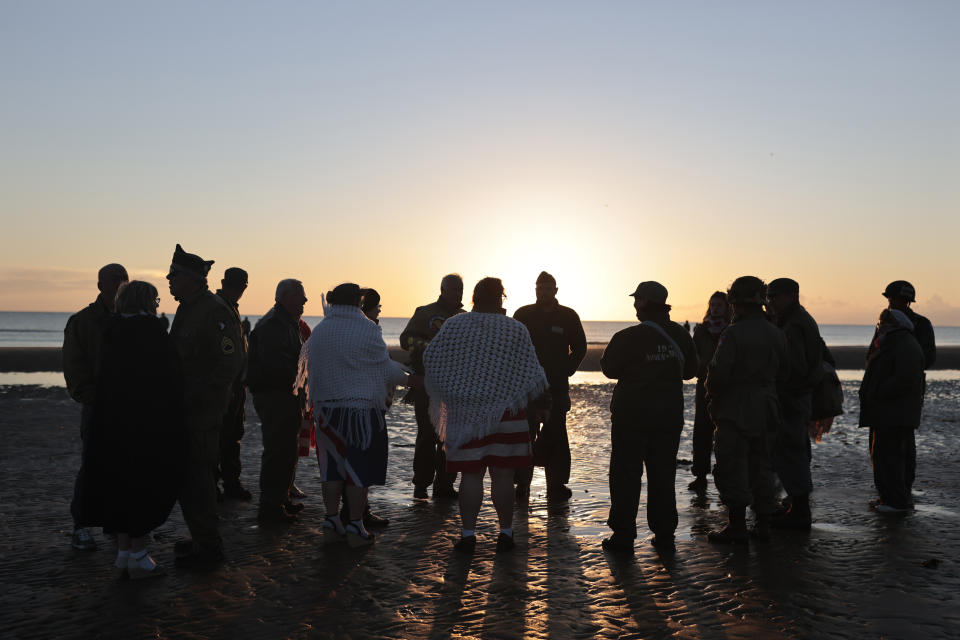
[280,419]
[702,435]
[791,458]
[893,453]
[744,475]
[429,460]
[632,447]
[76,505]
[551,449]
[231,432]
[198,493]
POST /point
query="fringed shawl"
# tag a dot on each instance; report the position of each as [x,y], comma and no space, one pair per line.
[478,366]
[345,364]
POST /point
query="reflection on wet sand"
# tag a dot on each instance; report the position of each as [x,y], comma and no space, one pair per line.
[856,574]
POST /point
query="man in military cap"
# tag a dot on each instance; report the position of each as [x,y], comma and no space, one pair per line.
[649,361]
[791,457]
[206,334]
[81,355]
[741,387]
[900,294]
[232,286]
[429,461]
[561,344]
[272,371]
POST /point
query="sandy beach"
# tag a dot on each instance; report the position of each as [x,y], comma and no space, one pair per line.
[29,359]
[855,575]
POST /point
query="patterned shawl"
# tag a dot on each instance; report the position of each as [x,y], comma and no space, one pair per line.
[478,366]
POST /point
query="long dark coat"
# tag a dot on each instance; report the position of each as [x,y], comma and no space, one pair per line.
[137,446]
[891,394]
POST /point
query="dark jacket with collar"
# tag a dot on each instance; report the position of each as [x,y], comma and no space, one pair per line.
[891,394]
[649,372]
[274,352]
[804,350]
[558,337]
[81,349]
[422,327]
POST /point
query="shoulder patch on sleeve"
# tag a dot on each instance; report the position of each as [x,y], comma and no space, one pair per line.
[227,346]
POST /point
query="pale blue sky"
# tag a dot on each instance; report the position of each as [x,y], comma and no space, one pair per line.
[391,142]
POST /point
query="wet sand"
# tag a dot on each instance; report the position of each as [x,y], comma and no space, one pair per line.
[857,574]
[28,359]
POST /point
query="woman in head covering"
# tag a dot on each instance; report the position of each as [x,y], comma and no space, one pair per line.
[706,335]
[481,373]
[349,377]
[137,443]
[891,400]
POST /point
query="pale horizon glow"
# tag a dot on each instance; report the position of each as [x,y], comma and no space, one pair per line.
[389,144]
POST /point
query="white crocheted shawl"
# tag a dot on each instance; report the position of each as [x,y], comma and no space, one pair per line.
[477,367]
[345,364]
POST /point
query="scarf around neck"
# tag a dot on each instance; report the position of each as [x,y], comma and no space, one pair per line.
[477,367]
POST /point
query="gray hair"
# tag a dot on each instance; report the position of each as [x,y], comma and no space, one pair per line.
[286,286]
[451,279]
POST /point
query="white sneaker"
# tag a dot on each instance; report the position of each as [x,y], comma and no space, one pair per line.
[886,508]
[82,540]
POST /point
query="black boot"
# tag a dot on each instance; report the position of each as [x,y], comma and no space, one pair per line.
[736,530]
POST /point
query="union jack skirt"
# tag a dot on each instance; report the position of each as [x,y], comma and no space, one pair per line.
[346,463]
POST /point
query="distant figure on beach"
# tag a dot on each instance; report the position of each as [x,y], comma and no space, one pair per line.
[792,453]
[741,391]
[891,400]
[232,286]
[245,324]
[137,446]
[686,326]
[900,294]
[275,344]
[482,373]
[429,463]
[81,354]
[649,361]
[561,345]
[706,335]
[206,335]
[348,374]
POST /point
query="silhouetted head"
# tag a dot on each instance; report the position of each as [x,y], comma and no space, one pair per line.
[891,319]
[109,279]
[451,290]
[370,303]
[650,299]
[188,273]
[746,292]
[546,288]
[291,296]
[717,307]
[900,294]
[136,297]
[234,283]
[347,294]
[488,295]
[781,293]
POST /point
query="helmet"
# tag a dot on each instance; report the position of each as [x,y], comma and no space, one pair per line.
[747,290]
[900,289]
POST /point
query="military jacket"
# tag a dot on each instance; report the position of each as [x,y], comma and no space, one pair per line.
[558,338]
[81,350]
[421,329]
[207,337]
[650,372]
[891,394]
[741,384]
[244,344]
[804,348]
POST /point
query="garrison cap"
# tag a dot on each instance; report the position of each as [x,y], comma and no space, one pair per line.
[235,277]
[784,285]
[190,263]
[900,289]
[650,290]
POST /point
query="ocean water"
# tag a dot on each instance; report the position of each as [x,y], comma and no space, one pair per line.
[45,329]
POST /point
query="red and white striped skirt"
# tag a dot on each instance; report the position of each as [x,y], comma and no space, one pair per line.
[508,447]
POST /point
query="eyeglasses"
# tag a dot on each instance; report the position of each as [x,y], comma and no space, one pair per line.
[156,301]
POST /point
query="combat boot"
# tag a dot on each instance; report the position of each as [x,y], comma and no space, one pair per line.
[797,518]
[736,530]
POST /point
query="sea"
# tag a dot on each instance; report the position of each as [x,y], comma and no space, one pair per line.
[45,329]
